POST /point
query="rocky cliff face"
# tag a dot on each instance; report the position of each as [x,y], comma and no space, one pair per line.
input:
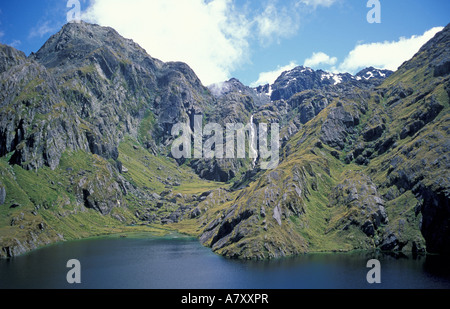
[112,78]
[366,167]
[85,135]
[10,57]
[93,87]
[302,78]
[87,90]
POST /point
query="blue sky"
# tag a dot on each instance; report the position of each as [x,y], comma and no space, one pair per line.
[251,40]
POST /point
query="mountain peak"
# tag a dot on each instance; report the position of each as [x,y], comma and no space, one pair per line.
[9,56]
[76,42]
[99,112]
[303,78]
[296,70]
[371,72]
[435,54]
[223,88]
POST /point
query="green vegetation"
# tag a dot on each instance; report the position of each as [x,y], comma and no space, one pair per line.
[49,203]
[87,157]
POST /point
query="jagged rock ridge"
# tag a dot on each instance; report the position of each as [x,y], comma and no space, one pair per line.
[87,121]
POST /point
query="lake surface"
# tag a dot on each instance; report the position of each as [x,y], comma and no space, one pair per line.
[176,262]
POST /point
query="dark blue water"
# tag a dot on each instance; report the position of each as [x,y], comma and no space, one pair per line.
[182,263]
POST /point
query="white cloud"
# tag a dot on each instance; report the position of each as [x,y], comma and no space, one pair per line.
[276,22]
[15,43]
[316,3]
[210,36]
[271,76]
[385,55]
[214,37]
[318,59]
[42,29]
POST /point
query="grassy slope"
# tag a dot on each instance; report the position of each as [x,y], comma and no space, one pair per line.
[47,208]
[46,205]
[415,149]
[320,171]
[312,230]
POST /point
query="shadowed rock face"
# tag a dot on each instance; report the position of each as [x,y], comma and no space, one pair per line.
[364,158]
[10,57]
[85,90]
[364,207]
[302,78]
[395,131]
[89,76]
[2,194]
